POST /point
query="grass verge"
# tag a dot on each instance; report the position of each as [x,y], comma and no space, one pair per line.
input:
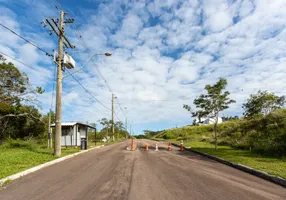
[273,166]
[17,156]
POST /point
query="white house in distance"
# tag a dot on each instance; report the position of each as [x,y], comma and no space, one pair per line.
[207,121]
[73,133]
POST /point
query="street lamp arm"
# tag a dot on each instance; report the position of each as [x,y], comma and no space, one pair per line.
[96,54]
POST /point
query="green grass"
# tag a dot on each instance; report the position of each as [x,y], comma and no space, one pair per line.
[91,144]
[16,156]
[274,166]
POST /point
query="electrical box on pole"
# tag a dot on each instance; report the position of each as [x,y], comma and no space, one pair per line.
[69,61]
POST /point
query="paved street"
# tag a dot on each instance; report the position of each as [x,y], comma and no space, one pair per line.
[112,172]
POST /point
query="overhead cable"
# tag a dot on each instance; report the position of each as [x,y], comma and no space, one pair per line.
[48,54]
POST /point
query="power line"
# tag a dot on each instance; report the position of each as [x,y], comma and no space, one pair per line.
[19,61]
[87,98]
[120,107]
[117,116]
[87,90]
[78,34]
[159,100]
[53,92]
[48,54]
[58,6]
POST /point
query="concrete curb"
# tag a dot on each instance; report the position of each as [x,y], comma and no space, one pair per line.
[36,168]
[274,179]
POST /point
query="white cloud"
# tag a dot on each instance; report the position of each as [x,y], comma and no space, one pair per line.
[183,71]
[218,21]
[130,26]
[246,8]
[164,53]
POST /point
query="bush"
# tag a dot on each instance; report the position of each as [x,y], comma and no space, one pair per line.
[169,135]
[30,145]
[264,134]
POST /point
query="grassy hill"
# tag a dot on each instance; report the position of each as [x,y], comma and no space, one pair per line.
[259,142]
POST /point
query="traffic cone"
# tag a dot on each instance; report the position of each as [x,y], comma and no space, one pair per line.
[156,149]
[169,147]
[132,145]
[182,147]
[147,148]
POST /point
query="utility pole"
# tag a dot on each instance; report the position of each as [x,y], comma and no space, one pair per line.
[112,116]
[50,131]
[57,26]
[126,127]
[58,121]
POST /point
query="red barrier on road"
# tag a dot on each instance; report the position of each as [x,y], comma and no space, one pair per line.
[169,147]
[132,145]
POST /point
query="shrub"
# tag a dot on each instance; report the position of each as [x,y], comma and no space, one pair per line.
[169,135]
[264,134]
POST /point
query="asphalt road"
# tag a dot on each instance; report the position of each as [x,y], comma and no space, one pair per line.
[112,172]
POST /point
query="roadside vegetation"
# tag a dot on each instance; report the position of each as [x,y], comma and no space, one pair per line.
[24,128]
[19,155]
[265,135]
[258,143]
[257,139]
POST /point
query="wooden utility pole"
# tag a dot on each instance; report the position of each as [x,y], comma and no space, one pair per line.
[58,121]
[50,131]
[126,128]
[112,116]
[57,27]
[95,137]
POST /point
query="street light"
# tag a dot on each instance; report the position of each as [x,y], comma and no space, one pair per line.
[107,54]
[96,54]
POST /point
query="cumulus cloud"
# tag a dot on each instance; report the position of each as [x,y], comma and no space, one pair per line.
[164,53]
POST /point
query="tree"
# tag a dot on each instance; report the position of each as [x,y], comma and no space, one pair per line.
[262,103]
[147,132]
[106,130]
[224,119]
[15,87]
[17,119]
[118,125]
[209,105]
[22,125]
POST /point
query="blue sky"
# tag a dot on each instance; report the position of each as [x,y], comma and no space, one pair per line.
[164,53]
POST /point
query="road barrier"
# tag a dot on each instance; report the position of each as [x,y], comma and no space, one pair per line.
[132,145]
[156,149]
[169,147]
[147,148]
